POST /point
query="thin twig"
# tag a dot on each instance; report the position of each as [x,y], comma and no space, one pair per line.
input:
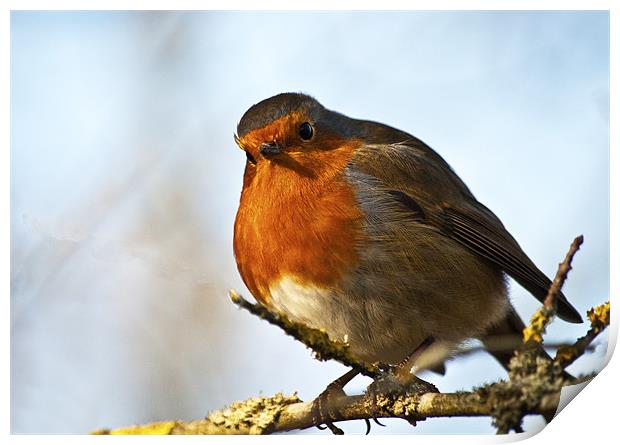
[560,277]
[508,344]
[533,333]
[599,320]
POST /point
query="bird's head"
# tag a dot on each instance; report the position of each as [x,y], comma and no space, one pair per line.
[292,130]
[296,202]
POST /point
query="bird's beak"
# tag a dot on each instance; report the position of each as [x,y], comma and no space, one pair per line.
[270,149]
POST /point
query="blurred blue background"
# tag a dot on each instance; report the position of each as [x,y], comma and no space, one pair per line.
[125,182]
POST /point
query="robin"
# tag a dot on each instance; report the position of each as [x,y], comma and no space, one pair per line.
[363,230]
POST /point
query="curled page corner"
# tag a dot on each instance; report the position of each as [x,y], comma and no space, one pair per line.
[568,393]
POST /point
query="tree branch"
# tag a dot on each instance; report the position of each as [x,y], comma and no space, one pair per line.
[285,413]
[543,316]
[317,340]
[599,320]
[533,387]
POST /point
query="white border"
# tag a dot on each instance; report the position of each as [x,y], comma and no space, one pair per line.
[590,417]
[314,5]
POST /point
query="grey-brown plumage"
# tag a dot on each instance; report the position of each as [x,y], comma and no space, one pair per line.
[432,259]
[413,168]
[433,206]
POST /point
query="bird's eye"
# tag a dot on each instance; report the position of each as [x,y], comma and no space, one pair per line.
[251,159]
[306,131]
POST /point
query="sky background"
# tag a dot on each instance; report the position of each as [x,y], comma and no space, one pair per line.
[125,180]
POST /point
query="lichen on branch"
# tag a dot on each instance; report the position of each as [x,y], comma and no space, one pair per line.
[533,334]
[599,320]
[323,347]
[533,386]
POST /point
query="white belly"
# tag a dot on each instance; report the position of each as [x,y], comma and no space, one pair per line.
[371,332]
[308,304]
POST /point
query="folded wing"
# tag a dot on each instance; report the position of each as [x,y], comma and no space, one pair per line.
[418,177]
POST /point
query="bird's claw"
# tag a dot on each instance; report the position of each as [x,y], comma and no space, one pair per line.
[391,385]
[320,411]
[377,422]
[374,419]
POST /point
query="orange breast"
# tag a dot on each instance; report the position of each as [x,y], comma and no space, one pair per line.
[297,217]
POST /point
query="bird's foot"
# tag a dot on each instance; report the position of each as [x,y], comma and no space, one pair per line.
[323,412]
[391,385]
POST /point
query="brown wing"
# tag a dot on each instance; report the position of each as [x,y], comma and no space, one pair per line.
[476,229]
[415,170]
